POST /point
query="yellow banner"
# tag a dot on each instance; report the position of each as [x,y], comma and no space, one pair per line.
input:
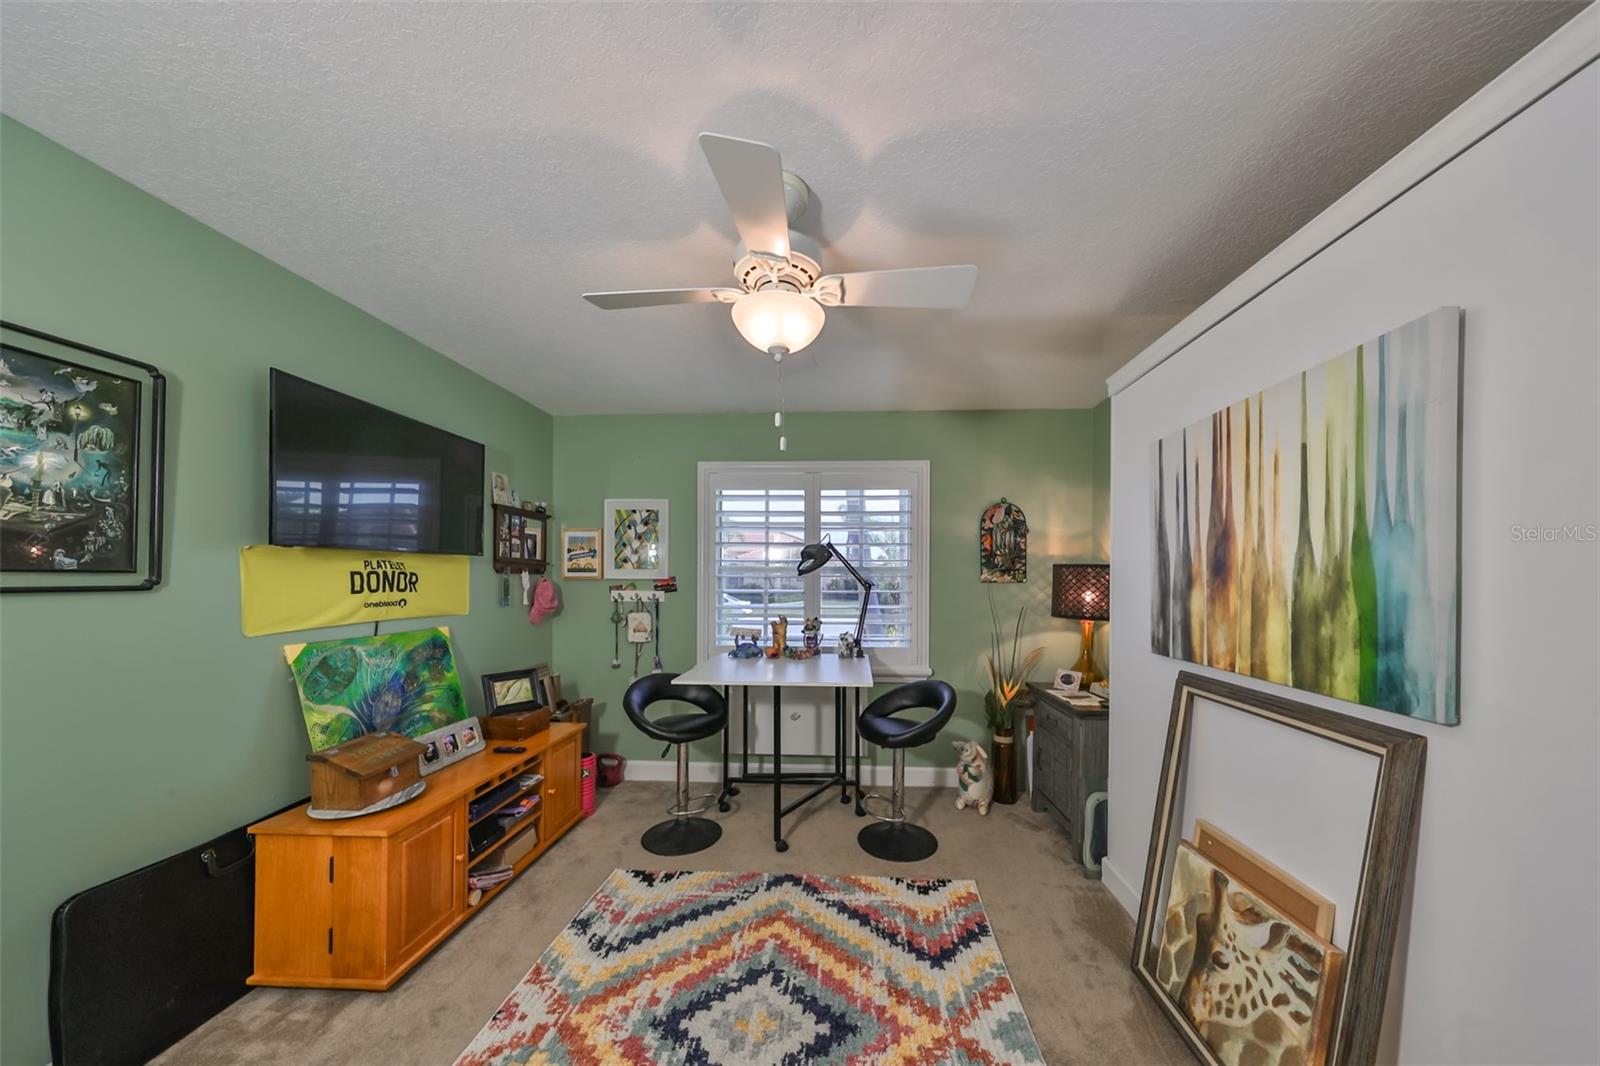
[282,589]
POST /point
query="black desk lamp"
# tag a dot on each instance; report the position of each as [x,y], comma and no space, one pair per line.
[815,557]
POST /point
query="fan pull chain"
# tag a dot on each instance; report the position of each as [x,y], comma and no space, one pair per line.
[777,416]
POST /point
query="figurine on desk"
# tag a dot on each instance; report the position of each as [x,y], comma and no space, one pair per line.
[780,637]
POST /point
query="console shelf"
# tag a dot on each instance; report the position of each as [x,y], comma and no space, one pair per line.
[355,903]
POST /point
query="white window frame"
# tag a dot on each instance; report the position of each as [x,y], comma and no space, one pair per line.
[888,663]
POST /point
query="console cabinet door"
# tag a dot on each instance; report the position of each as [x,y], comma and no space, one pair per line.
[294,908]
[427,881]
[561,799]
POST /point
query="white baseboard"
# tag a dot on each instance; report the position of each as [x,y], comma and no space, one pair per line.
[877,775]
[1119,886]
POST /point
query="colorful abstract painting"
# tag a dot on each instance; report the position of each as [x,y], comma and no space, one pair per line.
[1256,987]
[638,530]
[701,967]
[396,682]
[1308,535]
[68,465]
[1003,543]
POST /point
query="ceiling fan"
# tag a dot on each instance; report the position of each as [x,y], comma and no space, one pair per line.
[781,290]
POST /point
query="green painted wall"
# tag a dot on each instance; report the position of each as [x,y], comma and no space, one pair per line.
[1041,460]
[133,725]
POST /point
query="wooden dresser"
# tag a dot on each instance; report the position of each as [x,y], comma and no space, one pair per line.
[356,902]
[1070,752]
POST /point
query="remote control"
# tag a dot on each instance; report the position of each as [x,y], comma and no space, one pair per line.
[509,749]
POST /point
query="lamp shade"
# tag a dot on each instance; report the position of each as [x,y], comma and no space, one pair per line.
[778,318]
[1081,590]
[813,557]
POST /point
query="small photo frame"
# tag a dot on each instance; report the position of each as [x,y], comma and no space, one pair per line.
[500,488]
[449,744]
[552,690]
[530,544]
[1069,680]
[580,554]
[512,691]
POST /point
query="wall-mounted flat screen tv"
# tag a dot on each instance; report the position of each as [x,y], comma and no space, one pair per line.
[348,474]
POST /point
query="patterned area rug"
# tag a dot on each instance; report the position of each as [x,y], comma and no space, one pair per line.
[750,969]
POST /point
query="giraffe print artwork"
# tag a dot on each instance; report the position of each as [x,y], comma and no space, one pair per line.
[1258,989]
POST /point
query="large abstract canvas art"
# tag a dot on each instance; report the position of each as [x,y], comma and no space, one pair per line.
[397,683]
[1308,535]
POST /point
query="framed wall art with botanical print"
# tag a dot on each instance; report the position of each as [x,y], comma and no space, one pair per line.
[636,539]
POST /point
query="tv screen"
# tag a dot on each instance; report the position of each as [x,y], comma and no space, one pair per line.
[348,474]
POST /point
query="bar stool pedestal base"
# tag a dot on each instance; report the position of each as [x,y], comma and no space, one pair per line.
[681,836]
[897,842]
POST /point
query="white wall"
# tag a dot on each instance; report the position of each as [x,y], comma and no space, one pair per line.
[1500,955]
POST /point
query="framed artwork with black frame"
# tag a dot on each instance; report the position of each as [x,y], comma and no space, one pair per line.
[512,691]
[82,458]
[1379,795]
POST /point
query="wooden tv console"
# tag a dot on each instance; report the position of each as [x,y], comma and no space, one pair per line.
[356,902]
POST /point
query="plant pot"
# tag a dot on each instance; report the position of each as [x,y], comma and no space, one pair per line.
[1003,764]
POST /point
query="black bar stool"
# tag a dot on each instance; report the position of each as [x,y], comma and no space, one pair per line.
[894,838]
[682,834]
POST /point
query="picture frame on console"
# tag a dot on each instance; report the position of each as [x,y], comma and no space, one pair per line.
[1376,820]
[512,691]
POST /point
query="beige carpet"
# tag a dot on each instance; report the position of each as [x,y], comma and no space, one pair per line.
[1064,938]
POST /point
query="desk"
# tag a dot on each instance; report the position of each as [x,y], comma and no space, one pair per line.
[822,671]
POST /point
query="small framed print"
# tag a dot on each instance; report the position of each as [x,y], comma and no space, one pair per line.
[499,488]
[552,690]
[1069,680]
[580,554]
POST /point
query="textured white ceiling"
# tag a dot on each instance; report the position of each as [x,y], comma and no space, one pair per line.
[465,171]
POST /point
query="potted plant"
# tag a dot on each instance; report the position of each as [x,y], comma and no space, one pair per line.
[1008,684]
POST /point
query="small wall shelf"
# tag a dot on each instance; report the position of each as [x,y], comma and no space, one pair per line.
[521,540]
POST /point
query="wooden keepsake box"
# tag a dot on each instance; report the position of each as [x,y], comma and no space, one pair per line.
[517,725]
[358,773]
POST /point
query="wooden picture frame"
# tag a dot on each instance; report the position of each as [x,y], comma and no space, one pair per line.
[1390,839]
[495,687]
[582,554]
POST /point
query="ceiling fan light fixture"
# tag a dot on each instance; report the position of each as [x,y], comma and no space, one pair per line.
[778,318]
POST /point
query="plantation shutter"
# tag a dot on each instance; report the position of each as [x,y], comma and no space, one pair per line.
[758,516]
[757,534]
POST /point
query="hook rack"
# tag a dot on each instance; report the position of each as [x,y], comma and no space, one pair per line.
[629,595]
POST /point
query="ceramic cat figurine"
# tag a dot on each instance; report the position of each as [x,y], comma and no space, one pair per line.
[974,783]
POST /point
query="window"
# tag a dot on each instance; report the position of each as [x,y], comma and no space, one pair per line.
[755,518]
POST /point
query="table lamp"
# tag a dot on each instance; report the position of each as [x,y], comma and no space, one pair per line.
[1082,591]
[815,557]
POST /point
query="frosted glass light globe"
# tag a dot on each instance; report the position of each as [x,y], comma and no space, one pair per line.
[778,318]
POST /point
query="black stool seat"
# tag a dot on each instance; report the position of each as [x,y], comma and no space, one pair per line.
[679,728]
[879,725]
[894,838]
[682,834]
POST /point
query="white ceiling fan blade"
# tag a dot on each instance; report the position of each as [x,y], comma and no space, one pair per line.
[618,301]
[750,175]
[945,287]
